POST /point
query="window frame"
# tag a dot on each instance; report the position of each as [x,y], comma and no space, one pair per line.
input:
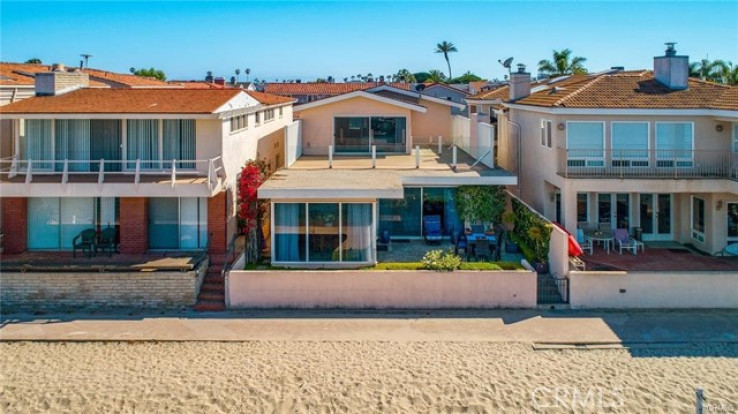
[641,161]
[676,162]
[589,162]
[547,133]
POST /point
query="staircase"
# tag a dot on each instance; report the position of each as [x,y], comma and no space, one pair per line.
[212,291]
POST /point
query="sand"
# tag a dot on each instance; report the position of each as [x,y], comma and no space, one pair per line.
[356,377]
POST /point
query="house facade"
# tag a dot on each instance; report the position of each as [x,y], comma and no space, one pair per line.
[157,164]
[652,151]
[370,165]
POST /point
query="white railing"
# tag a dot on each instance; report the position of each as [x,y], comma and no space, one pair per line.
[113,171]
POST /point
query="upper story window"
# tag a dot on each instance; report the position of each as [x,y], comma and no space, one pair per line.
[629,143]
[268,115]
[585,143]
[280,111]
[674,144]
[735,137]
[546,133]
[257,118]
[239,122]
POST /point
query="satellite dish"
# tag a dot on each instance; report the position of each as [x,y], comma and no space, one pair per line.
[420,87]
[507,63]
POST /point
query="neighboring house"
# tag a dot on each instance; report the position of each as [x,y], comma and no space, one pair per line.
[158,164]
[653,151]
[335,198]
[443,91]
[313,91]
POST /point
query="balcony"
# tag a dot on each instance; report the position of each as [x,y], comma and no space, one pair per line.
[26,177]
[647,164]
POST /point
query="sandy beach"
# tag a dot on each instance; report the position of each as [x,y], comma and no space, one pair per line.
[361,376]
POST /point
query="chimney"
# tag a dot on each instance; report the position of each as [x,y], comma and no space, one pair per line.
[670,69]
[59,81]
[519,83]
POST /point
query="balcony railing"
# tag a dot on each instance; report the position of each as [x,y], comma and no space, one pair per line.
[173,172]
[641,163]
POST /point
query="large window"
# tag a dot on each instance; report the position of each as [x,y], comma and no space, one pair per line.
[629,144]
[178,223]
[674,144]
[38,145]
[698,219]
[179,142]
[54,222]
[402,217]
[142,142]
[732,209]
[323,232]
[585,144]
[358,134]
[546,133]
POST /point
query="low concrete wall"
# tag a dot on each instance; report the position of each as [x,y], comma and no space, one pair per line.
[592,290]
[381,289]
[101,289]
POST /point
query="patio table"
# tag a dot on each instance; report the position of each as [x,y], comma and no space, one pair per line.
[605,236]
[732,249]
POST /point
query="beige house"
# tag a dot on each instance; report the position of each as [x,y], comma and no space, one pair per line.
[651,151]
[368,165]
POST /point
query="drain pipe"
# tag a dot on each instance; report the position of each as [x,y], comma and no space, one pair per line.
[520,156]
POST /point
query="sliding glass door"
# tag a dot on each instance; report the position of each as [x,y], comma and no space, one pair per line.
[358,134]
[54,222]
[178,223]
[323,232]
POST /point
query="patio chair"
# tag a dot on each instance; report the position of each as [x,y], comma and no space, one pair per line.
[482,249]
[107,240]
[584,242]
[85,241]
[459,241]
[432,229]
[624,241]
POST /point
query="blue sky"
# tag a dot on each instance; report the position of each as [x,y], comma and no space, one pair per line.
[305,40]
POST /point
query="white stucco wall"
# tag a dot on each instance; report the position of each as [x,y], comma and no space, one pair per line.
[591,290]
[381,289]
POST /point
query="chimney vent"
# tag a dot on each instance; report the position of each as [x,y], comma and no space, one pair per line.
[672,70]
[519,83]
[58,67]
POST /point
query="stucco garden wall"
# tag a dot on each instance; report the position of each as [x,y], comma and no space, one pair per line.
[381,289]
[592,290]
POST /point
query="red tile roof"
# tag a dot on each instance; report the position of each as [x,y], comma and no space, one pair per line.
[199,85]
[635,89]
[330,89]
[269,99]
[22,74]
[120,101]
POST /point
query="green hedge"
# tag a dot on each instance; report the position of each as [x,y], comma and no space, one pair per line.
[534,249]
[464,266]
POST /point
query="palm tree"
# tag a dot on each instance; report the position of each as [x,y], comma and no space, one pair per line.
[436,75]
[404,75]
[353,77]
[715,71]
[247,71]
[562,64]
[446,48]
[369,76]
[345,80]
[36,61]
[238,72]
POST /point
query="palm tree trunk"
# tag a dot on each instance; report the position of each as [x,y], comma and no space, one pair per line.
[448,62]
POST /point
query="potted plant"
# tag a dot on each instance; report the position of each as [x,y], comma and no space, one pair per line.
[509,219]
[540,249]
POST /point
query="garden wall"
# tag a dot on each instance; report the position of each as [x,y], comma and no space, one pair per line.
[381,289]
[592,290]
[160,289]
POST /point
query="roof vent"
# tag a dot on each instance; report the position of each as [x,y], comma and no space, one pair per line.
[521,68]
[58,67]
[670,51]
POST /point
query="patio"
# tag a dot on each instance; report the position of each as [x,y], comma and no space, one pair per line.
[658,257]
[405,251]
[65,262]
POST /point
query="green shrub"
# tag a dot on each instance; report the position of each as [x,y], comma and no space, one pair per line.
[441,261]
[533,233]
[398,266]
[479,266]
[510,265]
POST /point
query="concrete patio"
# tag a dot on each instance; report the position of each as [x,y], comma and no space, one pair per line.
[658,257]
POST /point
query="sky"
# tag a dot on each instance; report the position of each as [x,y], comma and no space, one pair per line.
[310,39]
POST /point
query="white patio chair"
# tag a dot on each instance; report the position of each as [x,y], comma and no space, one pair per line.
[624,241]
[584,242]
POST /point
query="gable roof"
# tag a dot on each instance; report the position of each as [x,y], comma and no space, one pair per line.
[385,97]
[445,86]
[125,101]
[407,94]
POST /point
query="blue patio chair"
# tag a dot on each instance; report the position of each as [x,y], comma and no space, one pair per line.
[460,242]
[432,229]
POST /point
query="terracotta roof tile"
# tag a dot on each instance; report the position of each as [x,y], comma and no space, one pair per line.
[133,101]
[22,74]
[330,89]
[268,98]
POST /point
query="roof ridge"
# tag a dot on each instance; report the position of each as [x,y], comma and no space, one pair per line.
[589,83]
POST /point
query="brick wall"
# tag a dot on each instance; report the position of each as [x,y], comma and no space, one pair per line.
[218,223]
[15,224]
[134,225]
[160,289]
